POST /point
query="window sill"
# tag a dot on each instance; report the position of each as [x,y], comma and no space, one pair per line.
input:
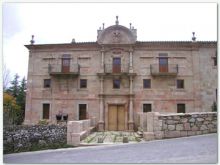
[83,89]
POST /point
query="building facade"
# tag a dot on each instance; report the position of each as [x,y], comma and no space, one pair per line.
[117,77]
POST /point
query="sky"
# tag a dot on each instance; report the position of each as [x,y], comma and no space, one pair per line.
[61,22]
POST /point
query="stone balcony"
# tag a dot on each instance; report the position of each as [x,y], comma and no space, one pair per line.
[170,70]
[57,70]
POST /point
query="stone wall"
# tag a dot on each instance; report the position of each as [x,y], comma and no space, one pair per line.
[159,126]
[28,138]
[78,130]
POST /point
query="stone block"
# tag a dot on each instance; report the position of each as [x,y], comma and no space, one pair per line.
[159,134]
[77,127]
[192,120]
[203,127]
[199,119]
[191,133]
[198,132]
[183,133]
[176,117]
[195,128]
[179,127]
[183,120]
[148,136]
[186,126]
[75,139]
[164,126]
[171,127]
[171,134]
[205,132]
[150,121]
[171,122]
[209,118]
[213,130]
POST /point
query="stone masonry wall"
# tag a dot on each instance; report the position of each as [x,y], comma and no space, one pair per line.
[159,126]
[28,138]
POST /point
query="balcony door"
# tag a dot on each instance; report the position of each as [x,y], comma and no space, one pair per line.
[116,66]
[163,64]
[66,63]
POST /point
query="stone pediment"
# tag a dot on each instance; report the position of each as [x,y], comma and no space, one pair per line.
[117,34]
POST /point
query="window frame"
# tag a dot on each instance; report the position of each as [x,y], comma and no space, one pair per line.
[45,109]
[79,110]
[47,83]
[143,107]
[81,84]
[119,85]
[179,109]
[149,83]
[180,84]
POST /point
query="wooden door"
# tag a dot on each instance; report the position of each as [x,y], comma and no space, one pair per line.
[116,118]
[65,65]
[121,118]
[163,64]
[116,66]
[112,118]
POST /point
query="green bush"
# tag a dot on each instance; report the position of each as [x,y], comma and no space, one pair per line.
[43,122]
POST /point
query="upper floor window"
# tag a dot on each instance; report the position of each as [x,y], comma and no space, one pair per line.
[66,63]
[147,83]
[147,108]
[47,83]
[163,62]
[180,84]
[215,61]
[116,83]
[83,83]
[116,66]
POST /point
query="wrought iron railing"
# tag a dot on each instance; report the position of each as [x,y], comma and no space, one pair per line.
[160,70]
[58,69]
[116,69]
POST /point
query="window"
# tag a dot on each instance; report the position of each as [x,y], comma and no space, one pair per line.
[47,83]
[116,84]
[181,108]
[146,107]
[83,83]
[163,62]
[46,111]
[116,68]
[147,83]
[215,61]
[66,63]
[82,111]
[180,84]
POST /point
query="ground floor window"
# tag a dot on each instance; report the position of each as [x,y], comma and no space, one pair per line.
[147,108]
[82,111]
[181,108]
[46,111]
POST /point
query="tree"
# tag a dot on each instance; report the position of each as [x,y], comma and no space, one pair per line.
[14,89]
[10,109]
[21,99]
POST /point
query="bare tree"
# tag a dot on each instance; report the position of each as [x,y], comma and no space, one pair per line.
[6,77]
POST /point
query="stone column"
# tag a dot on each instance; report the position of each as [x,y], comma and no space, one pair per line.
[102,62]
[131,114]
[130,61]
[101,107]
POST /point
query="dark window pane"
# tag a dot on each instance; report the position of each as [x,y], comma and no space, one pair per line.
[146,107]
[116,84]
[180,84]
[147,83]
[47,83]
[181,108]
[83,83]
[163,61]
[46,111]
[82,111]
[116,61]
[215,61]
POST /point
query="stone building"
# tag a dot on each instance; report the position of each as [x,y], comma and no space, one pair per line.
[117,77]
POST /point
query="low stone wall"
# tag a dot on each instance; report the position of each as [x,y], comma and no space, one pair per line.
[78,130]
[28,138]
[159,126]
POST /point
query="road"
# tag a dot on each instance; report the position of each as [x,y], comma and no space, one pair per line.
[195,149]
